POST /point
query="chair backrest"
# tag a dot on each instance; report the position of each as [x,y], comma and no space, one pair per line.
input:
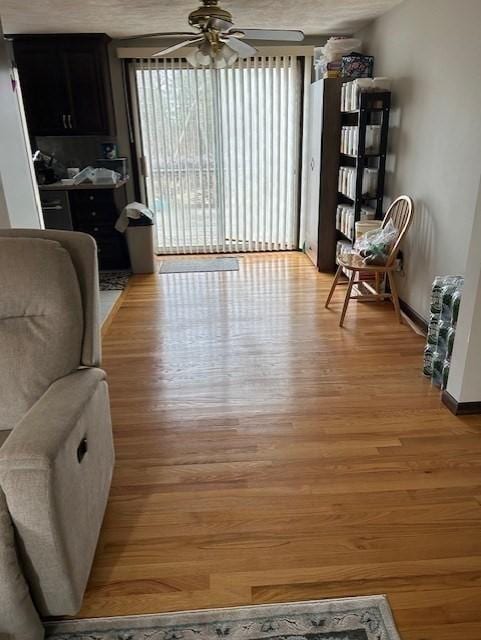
[400,213]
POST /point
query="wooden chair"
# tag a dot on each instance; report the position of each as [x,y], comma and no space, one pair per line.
[400,213]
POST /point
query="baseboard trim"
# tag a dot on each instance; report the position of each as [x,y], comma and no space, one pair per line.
[417,319]
[460,408]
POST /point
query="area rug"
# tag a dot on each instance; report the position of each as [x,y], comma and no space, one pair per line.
[363,618]
[113,280]
[182,265]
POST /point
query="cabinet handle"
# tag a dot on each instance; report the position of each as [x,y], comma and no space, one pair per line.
[55,207]
[64,120]
[91,197]
[96,228]
[94,213]
[69,119]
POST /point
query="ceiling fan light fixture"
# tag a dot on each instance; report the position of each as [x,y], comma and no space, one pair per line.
[205,56]
[230,56]
[224,58]
[219,43]
[198,58]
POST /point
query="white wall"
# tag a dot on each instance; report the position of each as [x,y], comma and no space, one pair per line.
[465,375]
[431,49]
[19,205]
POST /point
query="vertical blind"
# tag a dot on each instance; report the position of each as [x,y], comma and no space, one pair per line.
[221,149]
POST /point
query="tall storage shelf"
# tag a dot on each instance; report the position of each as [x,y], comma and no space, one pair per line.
[322,169]
[325,162]
[362,163]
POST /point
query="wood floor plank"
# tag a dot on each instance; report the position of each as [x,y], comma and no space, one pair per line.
[264,454]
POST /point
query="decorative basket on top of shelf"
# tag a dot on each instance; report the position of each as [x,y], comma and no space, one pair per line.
[357,65]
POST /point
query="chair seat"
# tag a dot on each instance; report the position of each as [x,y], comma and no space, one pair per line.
[354,262]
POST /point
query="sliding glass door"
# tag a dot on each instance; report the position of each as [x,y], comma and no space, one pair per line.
[221,153]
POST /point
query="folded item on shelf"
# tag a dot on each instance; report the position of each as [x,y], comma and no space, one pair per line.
[337,46]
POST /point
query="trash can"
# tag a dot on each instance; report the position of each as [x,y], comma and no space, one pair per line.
[136,221]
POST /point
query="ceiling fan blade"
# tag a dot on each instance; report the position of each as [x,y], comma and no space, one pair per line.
[164,34]
[242,48]
[285,35]
[219,24]
[174,47]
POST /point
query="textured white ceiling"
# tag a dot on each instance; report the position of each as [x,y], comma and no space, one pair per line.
[131,17]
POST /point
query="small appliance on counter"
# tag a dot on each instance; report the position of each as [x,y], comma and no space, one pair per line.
[119,165]
[99,176]
[109,150]
[46,168]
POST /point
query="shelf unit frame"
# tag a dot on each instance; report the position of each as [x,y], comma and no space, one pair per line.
[370,102]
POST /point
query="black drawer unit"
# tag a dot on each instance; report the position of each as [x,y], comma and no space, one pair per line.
[93,211]
[56,210]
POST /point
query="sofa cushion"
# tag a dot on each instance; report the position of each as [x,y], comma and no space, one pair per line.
[18,618]
[41,322]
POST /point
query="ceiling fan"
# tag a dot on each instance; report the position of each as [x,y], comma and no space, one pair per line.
[219,43]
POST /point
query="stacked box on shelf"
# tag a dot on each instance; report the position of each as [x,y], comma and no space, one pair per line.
[350,139]
[348,177]
[345,218]
[445,301]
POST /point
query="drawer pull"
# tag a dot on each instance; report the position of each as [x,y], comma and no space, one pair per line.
[94,213]
[91,197]
[96,228]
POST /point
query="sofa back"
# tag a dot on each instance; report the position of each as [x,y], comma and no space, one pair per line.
[41,322]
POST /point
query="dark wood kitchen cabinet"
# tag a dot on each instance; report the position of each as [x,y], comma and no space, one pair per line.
[65,82]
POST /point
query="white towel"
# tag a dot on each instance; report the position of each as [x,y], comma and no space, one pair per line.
[134,211]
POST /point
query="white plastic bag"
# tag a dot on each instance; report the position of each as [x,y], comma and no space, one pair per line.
[336,47]
[374,246]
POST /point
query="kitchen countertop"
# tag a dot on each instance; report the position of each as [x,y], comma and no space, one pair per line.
[58,186]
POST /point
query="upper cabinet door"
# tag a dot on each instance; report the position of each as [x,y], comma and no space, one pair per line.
[44,90]
[65,83]
[88,80]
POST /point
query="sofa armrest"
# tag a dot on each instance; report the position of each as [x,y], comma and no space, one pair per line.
[37,439]
[55,471]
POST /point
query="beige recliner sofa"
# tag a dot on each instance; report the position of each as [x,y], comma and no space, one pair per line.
[56,450]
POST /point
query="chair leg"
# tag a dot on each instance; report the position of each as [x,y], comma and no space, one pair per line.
[395,297]
[334,285]
[347,298]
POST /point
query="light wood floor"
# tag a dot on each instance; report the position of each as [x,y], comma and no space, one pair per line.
[265,455]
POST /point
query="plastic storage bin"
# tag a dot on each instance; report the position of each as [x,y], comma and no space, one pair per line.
[140,241]
[136,221]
